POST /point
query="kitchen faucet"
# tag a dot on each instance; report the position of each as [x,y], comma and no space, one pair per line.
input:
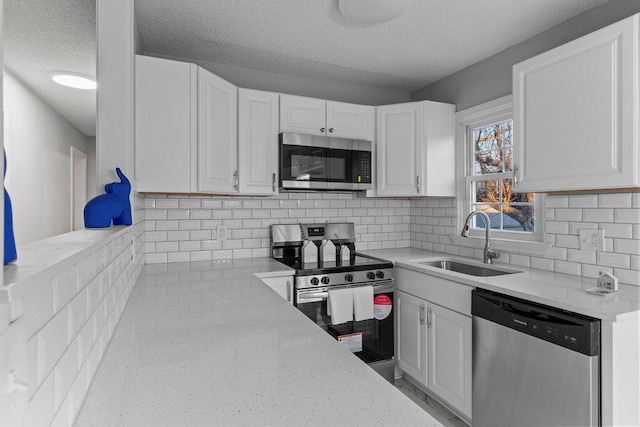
[488,253]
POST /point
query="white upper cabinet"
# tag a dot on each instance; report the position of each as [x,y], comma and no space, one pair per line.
[319,117]
[415,152]
[576,113]
[351,121]
[166,126]
[257,142]
[217,134]
[302,115]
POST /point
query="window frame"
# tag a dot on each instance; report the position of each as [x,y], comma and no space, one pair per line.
[495,111]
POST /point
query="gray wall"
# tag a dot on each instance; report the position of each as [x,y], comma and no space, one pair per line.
[491,78]
[285,83]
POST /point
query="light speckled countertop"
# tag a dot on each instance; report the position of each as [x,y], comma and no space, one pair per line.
[204,344]
[559,290]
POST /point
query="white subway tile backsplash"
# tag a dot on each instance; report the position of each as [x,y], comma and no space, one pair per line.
[565,214]
[621,200]
[598,215]
[614,259]
[586,257]
[567,267]
[167,203]
[631,216]
[557,202]
[626,246]
[583,201]
[627,276]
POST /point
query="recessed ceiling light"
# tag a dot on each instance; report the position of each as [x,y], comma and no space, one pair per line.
[373,11]
[74,80]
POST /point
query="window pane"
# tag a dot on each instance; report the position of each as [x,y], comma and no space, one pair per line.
[507,159]
[518,218]
[492,211]
[510,196]
[486,191]
[489,162]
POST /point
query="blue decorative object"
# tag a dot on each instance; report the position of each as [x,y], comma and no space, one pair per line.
[10,253]
[115,205]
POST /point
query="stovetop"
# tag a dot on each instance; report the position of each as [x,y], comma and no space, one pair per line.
[356,263]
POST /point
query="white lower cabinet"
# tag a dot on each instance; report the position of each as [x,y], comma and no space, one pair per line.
[449,356]
[411,353]
[433,343]
[282,285]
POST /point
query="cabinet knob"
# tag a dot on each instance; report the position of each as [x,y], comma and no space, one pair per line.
[330,129]
[322,130]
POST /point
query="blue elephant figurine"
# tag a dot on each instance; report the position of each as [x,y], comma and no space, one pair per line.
[113,206]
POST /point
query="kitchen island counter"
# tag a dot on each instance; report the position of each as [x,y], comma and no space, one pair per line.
[204,344]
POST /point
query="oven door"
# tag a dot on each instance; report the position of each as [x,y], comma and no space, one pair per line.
[376,334]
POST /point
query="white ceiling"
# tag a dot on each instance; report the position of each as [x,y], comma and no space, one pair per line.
[41,36]
[310,38]
[307,38]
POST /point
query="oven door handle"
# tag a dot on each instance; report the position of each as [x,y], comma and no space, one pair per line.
[386,286]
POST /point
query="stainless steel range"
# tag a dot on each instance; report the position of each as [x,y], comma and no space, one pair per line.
[325,261]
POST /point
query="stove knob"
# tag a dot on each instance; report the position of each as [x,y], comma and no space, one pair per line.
[349,277]
[371,275]
[380,274]
[325,280]
[314,281]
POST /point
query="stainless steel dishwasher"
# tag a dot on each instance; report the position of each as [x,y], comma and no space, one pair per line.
[533,365]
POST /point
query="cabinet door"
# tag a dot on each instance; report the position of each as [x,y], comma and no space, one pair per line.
[450,356]
[411,342]
[166,125]
[576,113]
[302,115]
[282,285]
[217,134]
[349,120]
[439,150]
[399,136]
[257,142]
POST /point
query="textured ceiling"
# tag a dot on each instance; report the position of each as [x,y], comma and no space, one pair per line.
[41,36]
[310,38]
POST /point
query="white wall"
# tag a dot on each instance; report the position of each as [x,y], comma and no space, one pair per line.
[295,85]
[37,140]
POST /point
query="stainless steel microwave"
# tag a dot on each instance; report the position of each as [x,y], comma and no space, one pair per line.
[324,163]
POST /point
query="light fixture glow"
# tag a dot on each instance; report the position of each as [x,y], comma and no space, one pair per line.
[74,80]
[373,11]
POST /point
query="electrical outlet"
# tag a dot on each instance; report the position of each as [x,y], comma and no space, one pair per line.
[592,240]
[221,232]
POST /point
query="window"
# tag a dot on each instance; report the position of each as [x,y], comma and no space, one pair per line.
[490,182]
[485,172]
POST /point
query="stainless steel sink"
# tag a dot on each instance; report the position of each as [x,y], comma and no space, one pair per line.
[470,269]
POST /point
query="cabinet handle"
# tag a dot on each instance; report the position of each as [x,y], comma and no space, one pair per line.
[418,183]
[429,318]
[235,178]
[515,176]
[422,314]
[288,289]
[322,130]
[330,129]
[273,182]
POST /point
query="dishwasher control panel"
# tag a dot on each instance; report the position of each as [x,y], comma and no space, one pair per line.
[570,330]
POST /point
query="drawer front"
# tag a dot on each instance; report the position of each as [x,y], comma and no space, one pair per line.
[446,293]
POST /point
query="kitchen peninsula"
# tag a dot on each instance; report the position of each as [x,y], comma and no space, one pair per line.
[207,343]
